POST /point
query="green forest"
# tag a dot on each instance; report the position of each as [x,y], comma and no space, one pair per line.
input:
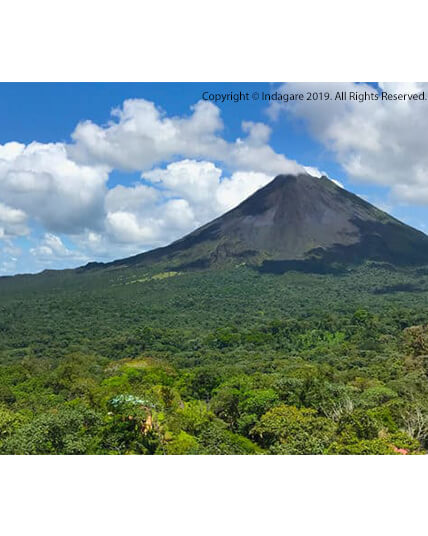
[231,361]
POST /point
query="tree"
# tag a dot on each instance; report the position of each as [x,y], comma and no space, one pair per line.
[416,423]
[131,426]
[287,429]
[364,446]
[183,443]
[67,430]
[416,340]
[357,425]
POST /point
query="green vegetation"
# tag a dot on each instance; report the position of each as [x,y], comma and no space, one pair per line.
[214,362]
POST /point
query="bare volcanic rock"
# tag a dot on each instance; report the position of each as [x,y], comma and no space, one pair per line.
[296,222]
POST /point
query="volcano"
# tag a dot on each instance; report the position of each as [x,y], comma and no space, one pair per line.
[294,222]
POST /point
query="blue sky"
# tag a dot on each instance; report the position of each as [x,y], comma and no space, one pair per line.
[78,183]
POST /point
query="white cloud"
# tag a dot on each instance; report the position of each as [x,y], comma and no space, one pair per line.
[190,193]
[205,188]
[258,133]
[52,248]
[146,217]
[232,191]
[379,142]
[202,185]
[412,193]
[42,182]
[12,222]
[118,198]
[196,181]
[126,227]
[142,136]
[104,246]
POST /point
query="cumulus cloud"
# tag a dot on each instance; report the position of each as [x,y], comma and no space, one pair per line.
[52,248]
[233,190]
[380,142]
[141,136]
[12,222]
[118,198]
[205,188]
[194,180]
[42,182]
[188,194]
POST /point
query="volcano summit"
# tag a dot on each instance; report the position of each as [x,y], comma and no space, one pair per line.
[296,221]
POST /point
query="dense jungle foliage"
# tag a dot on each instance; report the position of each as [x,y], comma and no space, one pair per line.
[218,362]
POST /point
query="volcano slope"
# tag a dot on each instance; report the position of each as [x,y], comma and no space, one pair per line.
[295,222]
